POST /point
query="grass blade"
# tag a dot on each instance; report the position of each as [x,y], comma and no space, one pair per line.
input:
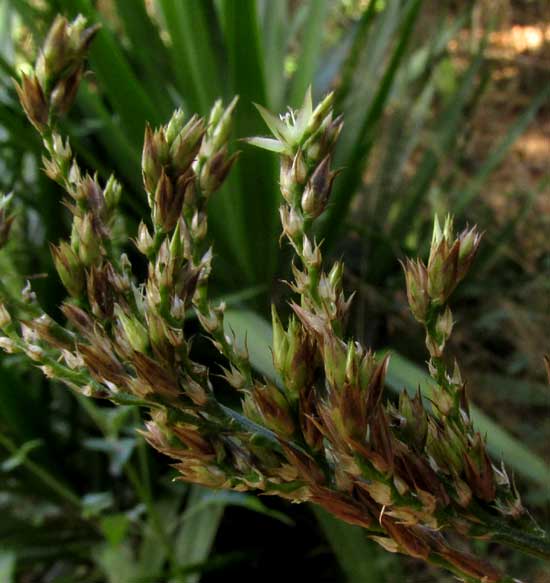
[352,60]
[196,536]
[152,54]
[311,45]
[7,566]
[126,94]
[275,36]
[497,155]
[249,215]
[446,135]
[342,196]
[193,58]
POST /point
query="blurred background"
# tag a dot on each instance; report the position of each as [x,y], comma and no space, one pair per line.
[447,109]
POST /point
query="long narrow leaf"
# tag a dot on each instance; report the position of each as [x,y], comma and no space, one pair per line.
[309,56]
[196,536]
[275,38]
[152,54]
[127,95]
[249,215]
[497,155]
[352,177]
[192,52]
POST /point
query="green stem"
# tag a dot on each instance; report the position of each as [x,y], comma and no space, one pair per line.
[43,475]
[536,545]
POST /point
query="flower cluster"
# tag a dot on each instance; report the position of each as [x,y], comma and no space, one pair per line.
[406,472]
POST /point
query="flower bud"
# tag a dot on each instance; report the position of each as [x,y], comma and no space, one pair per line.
[479,471]
[64,93]
[215,171]
[186,145]
[280,342]
[152,160]
[89,242]
[416,277]
[299,359]
[134,330]
[6,220]
[291,222]
[415,429]
[286,180]
[269,406]
[112,193]
[5,318]
[175,125]
[469,244]
[334,360]
[168,204]
[144,241]
[444,326]
[69,268]
[33,101]
[366,370]
[317,191]
[319,113]
[220,125]
[311,254]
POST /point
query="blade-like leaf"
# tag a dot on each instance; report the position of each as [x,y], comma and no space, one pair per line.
[497,155]
[196,536]
[248,216]
[275,39]
[228,498]
[7,566]
[311,45]
[128,97]
[192,51]
[342,196]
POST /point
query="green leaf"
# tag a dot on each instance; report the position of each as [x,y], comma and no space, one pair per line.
[20,456]
[496,156]
[228,498]
[246,211]
[152,54]
[94,503]
[352,176]
[267,144]
[126,94]
[114,528]
[118,563]
[195,538]
[7,566]
[311,44]
[192,51]
[256,331]
[275,35]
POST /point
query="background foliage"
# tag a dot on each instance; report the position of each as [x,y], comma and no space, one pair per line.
[418,83]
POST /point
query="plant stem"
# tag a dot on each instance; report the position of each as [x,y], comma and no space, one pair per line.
[50,481]
[526,542]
